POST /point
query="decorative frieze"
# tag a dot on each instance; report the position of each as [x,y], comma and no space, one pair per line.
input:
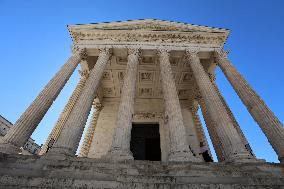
[144,37]
[148,115]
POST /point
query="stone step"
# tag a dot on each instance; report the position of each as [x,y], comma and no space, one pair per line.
[25,172]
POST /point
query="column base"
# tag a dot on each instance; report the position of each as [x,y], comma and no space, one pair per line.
[183,156]
[58,153]
[243,158]
[117,155]
[8,148]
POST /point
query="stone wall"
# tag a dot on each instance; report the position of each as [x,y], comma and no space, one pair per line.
[146,111]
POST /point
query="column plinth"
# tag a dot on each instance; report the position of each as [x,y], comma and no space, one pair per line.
[268,122]
[179,151]
[234,149]
[29,120]
[120,148]
[73,128]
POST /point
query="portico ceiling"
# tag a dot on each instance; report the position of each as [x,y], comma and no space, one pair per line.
[148,35]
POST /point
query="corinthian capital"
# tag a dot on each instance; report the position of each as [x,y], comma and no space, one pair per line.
[163,52]
[84,73]
[105,50]
[221,53]
[81,51]
[134,51]
[191,53]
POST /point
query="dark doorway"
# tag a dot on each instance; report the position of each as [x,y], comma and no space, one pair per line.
[145,142]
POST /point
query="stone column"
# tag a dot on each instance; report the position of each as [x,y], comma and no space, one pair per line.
[120,148]
[53,136]
[211,125]
[178,151]
[73,128]
[234,150]
[194,106]
[85,147]
[199,128]
[22,130]
[191,132]
[236,124]
[268,122]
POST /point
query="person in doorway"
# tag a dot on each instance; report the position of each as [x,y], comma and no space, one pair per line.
[204,150]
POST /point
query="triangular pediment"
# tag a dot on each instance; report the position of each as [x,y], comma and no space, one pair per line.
[147,24]
[147,31]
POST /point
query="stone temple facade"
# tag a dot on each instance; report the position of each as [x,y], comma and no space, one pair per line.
[144,81]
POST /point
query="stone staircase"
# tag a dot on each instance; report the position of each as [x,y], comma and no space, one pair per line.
[36,172]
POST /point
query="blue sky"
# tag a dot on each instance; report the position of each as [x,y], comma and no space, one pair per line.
[35,43]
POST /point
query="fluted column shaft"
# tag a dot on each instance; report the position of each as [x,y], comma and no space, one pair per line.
[29,120]
[85,147]
[211,125]
[268,122]
[199,128]
[73,128]
[236,124]
[188,122]
[179,151]
[66,112]
[234,150]
[120,148]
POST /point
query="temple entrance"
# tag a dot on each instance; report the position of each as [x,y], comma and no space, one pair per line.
[145,142]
